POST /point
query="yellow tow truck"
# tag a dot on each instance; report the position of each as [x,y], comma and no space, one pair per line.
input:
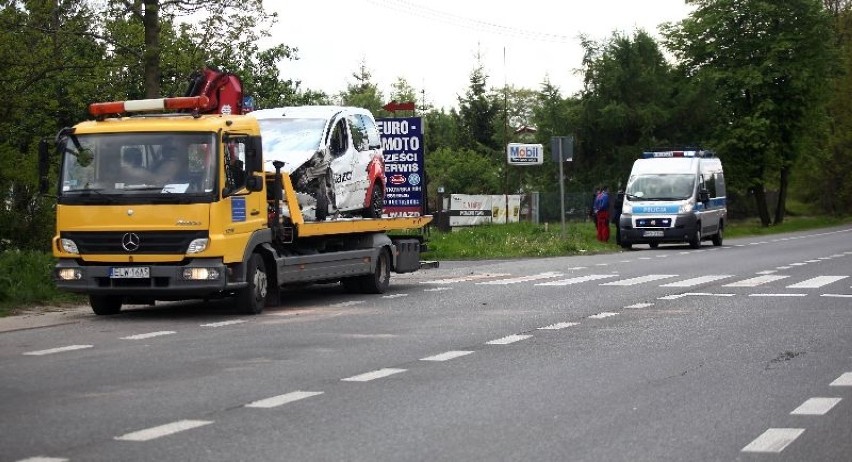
[158,201]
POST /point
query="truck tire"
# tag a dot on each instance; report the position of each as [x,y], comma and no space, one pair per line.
[375,283]
[105,305]
[252,298]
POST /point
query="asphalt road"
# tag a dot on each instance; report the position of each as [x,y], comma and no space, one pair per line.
[740,352]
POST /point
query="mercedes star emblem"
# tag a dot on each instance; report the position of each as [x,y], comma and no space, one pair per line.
[130,242]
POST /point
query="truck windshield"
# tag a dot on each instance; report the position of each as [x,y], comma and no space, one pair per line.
[660,187]
[127,165]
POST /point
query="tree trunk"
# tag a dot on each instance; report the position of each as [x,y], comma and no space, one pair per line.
[782,195]
[762,208]
[151,55]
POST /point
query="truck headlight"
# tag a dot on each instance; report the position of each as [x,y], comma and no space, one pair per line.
[200,274]
[69,246]
[69,274]
[198,245]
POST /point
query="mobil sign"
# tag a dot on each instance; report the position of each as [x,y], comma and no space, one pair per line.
[525,154]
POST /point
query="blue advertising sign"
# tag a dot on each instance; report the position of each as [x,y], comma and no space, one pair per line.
[402,142]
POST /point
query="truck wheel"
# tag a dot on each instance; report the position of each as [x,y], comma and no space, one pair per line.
[377,202]
[252,298]
[695,242]
[717,238]
[375,283]
[104,305]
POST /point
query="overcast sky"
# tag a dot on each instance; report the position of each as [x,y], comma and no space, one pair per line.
[433,44]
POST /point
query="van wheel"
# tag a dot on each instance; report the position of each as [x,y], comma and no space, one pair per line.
[325,196]
[717,238]
[375,283]
[252,298]
[626,246]
[695,242]
[105,305]
[377,202]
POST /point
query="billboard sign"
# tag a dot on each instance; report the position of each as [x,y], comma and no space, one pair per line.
[525,154]
[402,143]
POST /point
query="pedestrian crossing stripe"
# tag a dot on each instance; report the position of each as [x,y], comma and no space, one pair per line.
[639,280]
[577,280]
[817,282]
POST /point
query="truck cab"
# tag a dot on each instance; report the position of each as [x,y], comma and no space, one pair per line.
[674,196]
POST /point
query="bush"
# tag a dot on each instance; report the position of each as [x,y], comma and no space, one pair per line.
[25,279]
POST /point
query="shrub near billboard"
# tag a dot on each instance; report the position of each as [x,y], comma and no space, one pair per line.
[402,143]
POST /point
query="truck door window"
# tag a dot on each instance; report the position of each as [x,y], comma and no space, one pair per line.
[235,157]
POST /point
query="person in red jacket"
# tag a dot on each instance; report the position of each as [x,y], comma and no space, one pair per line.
[602,214]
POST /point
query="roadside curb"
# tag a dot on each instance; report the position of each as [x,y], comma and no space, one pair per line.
[43,317]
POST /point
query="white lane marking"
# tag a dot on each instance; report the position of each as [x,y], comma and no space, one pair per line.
[816,406]
[163,430]
[798,264]
[784,267]
[662,256]
[149,335]
[639,305]
[534,277]
[767,272]
[437,289]
[602,264]
[559,325]
[778,295]
[644,258]
[349,303]
[281,400]
[446,356]
[837,295]
[576,280]
[812,261]
[774,440]
[508,339]
[697,281]
[366,377]
[395,296]
[57,350]
[472,277]
[639,280]
[603,315]
[817,282]
[695,294]
[844,380]
[756,281]
[43,459]
[224,323]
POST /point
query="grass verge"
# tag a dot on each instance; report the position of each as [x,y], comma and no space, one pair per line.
[25,281]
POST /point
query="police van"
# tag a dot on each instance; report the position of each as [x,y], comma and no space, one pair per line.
[674,196]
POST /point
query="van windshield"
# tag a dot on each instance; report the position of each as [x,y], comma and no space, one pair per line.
[660,187]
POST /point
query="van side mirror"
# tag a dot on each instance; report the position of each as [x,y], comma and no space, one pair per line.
[704,196]
[43,166]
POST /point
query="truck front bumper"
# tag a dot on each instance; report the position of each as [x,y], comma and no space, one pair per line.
[164,282]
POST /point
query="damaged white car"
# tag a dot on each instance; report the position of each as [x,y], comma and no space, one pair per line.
[334,156]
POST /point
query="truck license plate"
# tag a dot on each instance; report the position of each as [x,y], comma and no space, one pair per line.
[652,234]
[132,272]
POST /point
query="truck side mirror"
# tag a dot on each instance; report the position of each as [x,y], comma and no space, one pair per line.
[254,183]
[43,166]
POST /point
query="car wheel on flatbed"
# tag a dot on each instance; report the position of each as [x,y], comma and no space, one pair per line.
[377,202]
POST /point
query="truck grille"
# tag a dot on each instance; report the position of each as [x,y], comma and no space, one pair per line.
[146,242]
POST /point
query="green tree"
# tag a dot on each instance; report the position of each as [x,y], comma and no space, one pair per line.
[50,64]
[363,92]
[476,114]
[770,63]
